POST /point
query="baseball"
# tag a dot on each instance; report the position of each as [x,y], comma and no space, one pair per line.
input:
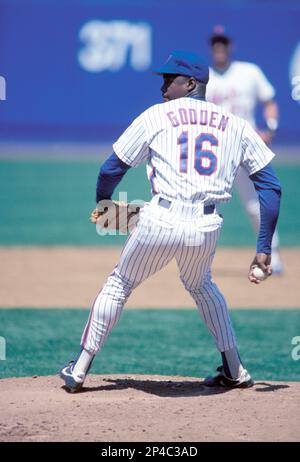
[259,274]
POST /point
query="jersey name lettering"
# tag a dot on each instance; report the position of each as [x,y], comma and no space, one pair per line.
[203,117]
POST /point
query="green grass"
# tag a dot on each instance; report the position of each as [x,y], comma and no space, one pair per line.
[49,202]
[162,342]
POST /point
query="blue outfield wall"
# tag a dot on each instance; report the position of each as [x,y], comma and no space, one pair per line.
[82,69]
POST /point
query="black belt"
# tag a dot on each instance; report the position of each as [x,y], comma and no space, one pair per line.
[207,210]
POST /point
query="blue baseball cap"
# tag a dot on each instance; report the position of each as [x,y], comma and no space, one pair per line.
[185,63]
[220,35]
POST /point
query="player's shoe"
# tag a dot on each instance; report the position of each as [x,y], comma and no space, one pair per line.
[220,380]
[72,382]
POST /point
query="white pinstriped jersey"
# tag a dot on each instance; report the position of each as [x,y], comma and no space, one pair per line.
[239,89]
[193,149]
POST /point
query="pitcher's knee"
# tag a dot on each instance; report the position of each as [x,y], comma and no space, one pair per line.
[118,287]
[200,288]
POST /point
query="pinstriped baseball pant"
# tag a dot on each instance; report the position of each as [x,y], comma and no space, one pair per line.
[149,248]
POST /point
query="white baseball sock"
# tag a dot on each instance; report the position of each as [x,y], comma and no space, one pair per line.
[83,362]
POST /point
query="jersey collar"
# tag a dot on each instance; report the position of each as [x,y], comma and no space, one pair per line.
[196,97]
[222,72]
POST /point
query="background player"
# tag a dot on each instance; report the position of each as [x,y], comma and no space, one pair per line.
[194,149]
[239,87]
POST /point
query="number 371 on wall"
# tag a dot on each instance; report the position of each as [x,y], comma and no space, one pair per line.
[205,161]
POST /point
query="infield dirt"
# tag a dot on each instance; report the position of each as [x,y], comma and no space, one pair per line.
[70,277]
[147,408]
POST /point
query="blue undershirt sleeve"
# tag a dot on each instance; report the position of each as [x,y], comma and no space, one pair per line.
[268,188]
[110,175]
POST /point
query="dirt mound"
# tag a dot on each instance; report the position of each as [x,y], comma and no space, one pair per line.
[147,408]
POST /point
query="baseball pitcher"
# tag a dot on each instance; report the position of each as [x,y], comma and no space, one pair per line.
[193,149]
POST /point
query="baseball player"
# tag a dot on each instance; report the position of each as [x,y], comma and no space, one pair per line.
[239,87]
[193,150]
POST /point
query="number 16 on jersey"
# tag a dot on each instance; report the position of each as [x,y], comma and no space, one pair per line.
[205,161]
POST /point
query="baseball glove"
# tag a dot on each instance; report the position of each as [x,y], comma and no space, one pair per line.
[115,215]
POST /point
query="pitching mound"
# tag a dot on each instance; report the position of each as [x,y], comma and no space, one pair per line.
[147,408]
